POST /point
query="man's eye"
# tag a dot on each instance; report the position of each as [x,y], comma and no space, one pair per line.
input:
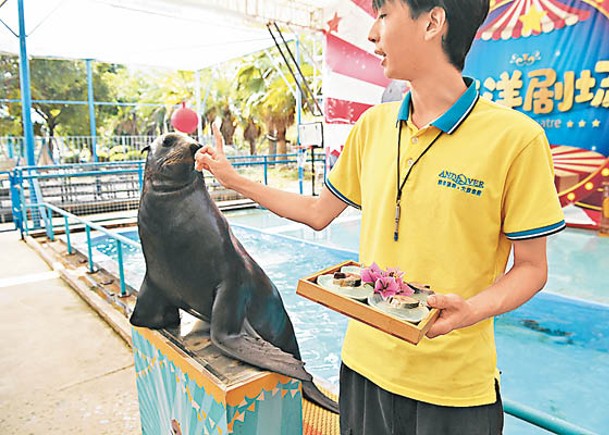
[382,16]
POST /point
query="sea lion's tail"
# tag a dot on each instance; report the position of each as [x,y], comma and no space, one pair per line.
[312,394]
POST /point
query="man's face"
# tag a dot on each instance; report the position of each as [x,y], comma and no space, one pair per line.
[399,39]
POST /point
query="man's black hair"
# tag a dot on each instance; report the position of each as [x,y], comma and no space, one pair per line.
[464,18]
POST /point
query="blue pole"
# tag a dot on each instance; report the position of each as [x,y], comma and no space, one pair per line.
[68,239]
[543,420]
[26,94]
[89,249]
[266,171]
[121,267]
[49,224]
[11,148]
[140,176]
[90,101]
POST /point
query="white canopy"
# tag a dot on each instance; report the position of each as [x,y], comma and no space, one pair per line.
[178,34]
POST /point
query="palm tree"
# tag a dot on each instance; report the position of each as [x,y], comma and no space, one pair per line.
[265,95]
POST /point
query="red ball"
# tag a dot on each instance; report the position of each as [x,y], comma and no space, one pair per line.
[185,120]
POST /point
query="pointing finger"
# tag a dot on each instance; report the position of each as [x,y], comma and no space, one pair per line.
[218,139]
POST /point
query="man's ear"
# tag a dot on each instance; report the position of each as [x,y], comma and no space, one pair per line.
[436,23]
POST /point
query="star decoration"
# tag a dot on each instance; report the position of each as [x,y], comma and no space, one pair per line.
[570,124]
[582,123]
[333,23]
[531,21]
[596,123]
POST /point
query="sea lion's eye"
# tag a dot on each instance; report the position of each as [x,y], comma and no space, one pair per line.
[169,141]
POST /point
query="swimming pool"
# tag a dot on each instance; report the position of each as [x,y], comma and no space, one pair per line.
[553,352]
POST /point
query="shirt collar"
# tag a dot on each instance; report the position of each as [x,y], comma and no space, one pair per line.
[450,120]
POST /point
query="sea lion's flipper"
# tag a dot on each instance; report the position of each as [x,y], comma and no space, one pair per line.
[261,353]
[312,394]
[228,333]
[152,308]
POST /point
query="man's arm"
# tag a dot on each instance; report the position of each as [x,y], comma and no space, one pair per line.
[527,276]
[316,212]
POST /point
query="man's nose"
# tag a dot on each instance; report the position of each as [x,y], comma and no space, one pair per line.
[373,34]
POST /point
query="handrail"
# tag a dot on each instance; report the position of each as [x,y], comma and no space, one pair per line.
[522,412]
[542,420]
[85,174]
[120,240]
[249,160]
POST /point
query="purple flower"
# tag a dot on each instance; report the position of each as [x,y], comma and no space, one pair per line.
[371,274]
[387,286]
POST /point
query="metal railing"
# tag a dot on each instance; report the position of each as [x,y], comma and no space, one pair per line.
[88,225]
[90,188]
[542,420]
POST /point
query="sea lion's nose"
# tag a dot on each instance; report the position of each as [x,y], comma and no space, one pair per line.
[195,147]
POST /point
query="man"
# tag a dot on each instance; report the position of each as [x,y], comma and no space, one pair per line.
[447,183]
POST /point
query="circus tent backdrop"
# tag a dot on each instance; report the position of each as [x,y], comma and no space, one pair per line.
[546,58]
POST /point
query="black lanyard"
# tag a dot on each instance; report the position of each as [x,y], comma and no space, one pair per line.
[398,198]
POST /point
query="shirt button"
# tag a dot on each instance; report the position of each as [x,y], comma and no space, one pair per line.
[415,140]
[409,162]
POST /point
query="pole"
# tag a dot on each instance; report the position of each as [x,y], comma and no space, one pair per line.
[604,224]
[198,98]
[298,121]
[26,94]
[90,100]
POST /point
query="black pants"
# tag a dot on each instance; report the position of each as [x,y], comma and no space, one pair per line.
[367,409]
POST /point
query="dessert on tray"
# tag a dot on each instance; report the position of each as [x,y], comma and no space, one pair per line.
[347,279]
[382,299]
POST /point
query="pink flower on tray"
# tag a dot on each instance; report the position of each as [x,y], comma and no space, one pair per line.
[371,274]
[387,286]
[386,282]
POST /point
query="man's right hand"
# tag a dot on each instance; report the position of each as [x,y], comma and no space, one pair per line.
[214,160]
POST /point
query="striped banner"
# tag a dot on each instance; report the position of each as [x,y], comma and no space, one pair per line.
[353,77]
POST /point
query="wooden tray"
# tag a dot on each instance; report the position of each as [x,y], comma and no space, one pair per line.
[361,311]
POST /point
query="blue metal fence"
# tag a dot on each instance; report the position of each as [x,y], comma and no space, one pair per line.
[89,188]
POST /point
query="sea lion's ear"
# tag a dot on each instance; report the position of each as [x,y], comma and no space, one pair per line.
[145,149]
[195,147]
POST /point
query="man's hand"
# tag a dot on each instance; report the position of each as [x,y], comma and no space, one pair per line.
[455,312]
[214,160]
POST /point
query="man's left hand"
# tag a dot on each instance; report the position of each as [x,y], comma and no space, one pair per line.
[455,312]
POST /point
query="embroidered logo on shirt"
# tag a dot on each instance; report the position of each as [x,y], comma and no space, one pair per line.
[461,182]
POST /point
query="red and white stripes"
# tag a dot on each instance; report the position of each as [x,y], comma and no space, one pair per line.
[524,18]
[353,77]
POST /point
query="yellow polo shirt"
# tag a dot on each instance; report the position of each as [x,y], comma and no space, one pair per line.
[487,179]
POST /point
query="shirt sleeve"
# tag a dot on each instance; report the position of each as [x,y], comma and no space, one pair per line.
[344,178]
[531,207]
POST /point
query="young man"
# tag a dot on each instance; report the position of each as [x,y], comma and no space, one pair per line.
[447,183]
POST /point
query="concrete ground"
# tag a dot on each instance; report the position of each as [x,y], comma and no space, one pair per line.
[63,370]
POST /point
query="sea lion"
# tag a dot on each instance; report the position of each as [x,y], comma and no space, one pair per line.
[194,262]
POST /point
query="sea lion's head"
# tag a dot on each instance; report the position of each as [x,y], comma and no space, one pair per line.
[170,162]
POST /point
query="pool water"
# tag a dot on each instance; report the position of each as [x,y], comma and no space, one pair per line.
[553,352]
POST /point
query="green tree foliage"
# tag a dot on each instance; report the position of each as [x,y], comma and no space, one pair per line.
[266,92]
[55,80]
[10,113]
[67,81]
